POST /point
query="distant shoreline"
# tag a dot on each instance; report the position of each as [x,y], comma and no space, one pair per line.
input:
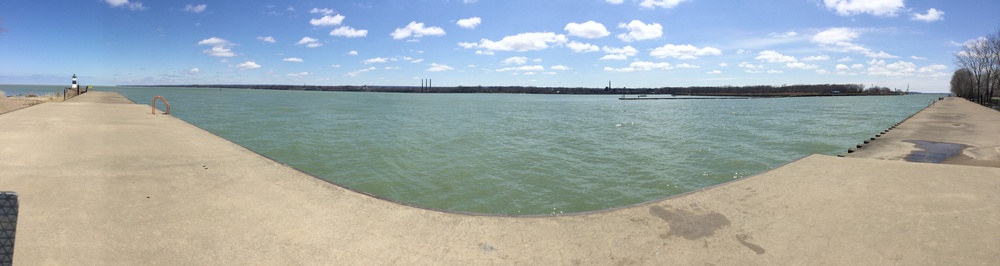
[724,91]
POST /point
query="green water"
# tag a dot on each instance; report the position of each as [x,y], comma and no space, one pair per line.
[529,154]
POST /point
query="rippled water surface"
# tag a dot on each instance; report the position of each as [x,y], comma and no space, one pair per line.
[529,154]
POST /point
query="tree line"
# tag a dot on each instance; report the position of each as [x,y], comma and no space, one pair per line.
[978,76]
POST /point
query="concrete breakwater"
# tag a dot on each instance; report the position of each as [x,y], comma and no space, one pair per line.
[135,188]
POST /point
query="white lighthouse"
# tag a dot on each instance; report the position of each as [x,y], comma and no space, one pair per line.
[74,83]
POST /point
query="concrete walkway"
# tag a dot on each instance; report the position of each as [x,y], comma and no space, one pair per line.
[107,183]
[972,129]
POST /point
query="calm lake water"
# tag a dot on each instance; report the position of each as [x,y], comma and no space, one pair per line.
[529,154]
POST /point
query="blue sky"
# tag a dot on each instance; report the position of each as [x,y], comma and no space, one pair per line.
[633,43]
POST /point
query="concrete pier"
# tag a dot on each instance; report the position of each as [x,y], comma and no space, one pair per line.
[103,181]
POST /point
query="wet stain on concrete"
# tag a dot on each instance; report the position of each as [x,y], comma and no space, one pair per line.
[688,224]
[933,152]
[743,240]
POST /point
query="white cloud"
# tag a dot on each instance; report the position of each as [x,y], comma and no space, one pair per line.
[416,30]
[522,68]
[376,60]
[589,29]
[713,72]
[578,47]
[746,65]
[345,31]
[641,66]
[873,7]
[775,71]
[358,72]
[723,64]
[784,35]
[193,71]
[324,11]
[639,31]
[300,74]
[469,23]
[516,60]
[931,16]
[195,9]
[845,59]
[835,35]
[220,47]
[309,42]
[816,58]
[619,53]
[292,59]
[559,67]
[267,39]
[741,51]
[898,69]
[665,4]
[685,51]
[529,41]
[352,52]
[248,65]
[685,65]
[842,67]
[435,67]
[857,66]
[917,57]
[800,65]
[933,71]
[327,20]
[125,3]
[417,61]
[615,2]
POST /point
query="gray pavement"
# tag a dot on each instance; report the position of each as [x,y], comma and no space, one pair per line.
[107,183]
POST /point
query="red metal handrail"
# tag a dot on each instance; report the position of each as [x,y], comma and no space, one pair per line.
[164,102]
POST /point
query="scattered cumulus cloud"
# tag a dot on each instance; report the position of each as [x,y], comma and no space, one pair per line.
[665,4]
[193,71]
[516,60]
[435,67]
[835,35]
[376,60]
[816,58]
[469,23]
[774,57]
[784,35]
[641,66]
[300,74]
[352,52]
[522,68]
[878,67]
[126,4]
[248,65]
[416,30]
[615,2]
[559,67]
[686,65]
[327,20]
[324,11]
[685,51]
[917,57]
[623,53]
[357,73]
[589,29]
[268,39]
[529,41]
[195,8]
[293,59]
[714,72]
[578,47]
[872,7]
[345,31]
[931,16]
[309,42]
[638,31]
[220,47]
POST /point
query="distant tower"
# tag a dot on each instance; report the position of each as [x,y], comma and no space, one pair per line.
[74,82]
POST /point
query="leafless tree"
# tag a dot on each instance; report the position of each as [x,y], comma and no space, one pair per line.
[981,58]
[961,83]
